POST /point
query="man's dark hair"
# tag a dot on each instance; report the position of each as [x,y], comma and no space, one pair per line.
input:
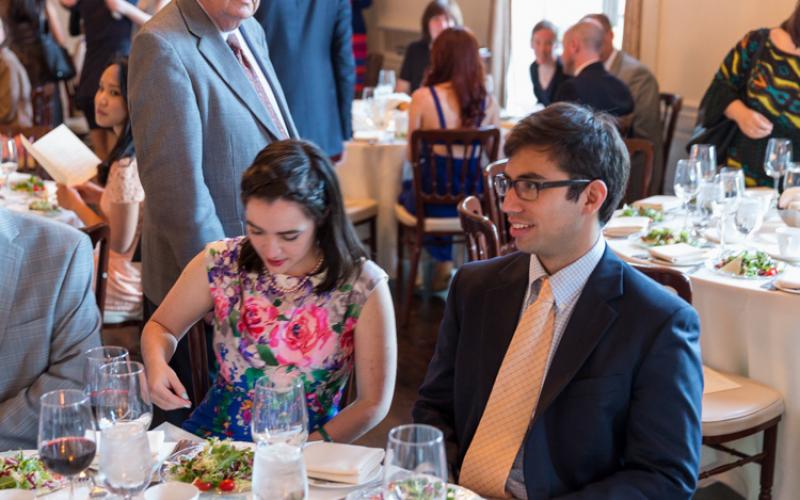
[583,143]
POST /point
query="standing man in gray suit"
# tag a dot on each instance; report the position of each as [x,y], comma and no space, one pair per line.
[48,318]
[644,88]
[204,100]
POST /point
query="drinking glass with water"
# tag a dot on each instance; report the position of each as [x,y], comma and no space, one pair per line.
[8,162]
[126,461]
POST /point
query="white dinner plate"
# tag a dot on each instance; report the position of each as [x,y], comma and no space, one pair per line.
[794,291]
[334,485]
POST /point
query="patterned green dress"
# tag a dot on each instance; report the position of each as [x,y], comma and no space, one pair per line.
[773,89]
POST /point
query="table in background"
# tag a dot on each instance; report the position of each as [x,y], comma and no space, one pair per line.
[18,201]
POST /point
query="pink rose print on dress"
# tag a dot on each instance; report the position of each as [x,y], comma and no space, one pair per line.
[258,315]
[304,338]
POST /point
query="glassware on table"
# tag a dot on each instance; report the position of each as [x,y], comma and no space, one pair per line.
[280,413]
[749,215]
[95,358]
[122,395]
[729,189]
[776,159]
[687,183]
[66,433]
[8,162]
[706,154]
[415,466]
[386,82]
[279,472]
[126,461]
[791,176]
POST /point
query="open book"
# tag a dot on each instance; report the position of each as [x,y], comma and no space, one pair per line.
[65,157]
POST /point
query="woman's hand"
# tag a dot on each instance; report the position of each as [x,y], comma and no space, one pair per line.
[68,197]
[90,192]
[165,387]
[752,123]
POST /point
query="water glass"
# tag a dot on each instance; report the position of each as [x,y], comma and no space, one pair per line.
[749,215]
[122,395]
[706,154]
[687,183]
[791,176]
[415,467]
[279,472]
[777,158]
[66,433]
[8,161]
[280,413]
[95,358]
[386,82]
[126,461]
[729,190]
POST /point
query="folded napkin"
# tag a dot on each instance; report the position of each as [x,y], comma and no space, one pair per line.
[370,135]
[343,463]
[659,202]
[790,198]
[679,253]
[789,280]
[620,227]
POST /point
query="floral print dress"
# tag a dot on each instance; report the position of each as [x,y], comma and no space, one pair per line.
[257,326]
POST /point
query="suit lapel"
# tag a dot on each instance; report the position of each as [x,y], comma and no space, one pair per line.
[220,57]
[590,319]
[11,256]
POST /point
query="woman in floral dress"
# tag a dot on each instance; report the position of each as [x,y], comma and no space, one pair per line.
[296,291]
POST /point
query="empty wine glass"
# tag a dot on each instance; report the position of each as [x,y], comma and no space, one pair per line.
[415,467]
[95,358]
[706,154]
[686,184]
[386,82]
[66,433]
[8,162]
[280,413]
[122,395]
[725,199]
[776,159]
[749,216]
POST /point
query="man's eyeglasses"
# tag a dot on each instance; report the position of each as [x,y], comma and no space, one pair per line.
[528,189]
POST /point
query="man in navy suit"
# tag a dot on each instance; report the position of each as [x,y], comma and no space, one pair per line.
[592,85]
[608,401]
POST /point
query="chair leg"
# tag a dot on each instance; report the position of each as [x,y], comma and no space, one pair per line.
[416,252]
[373,237]
[768,462]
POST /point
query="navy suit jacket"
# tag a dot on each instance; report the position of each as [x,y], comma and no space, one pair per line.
[597,88]
[311,50]
[619,412]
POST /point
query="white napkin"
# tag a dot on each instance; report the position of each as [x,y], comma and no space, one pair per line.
[679,253]
[343,463]
[789,280]
[620,227]
[370,135]
[659,202]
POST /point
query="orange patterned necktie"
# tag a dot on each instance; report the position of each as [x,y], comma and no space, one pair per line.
[512,401]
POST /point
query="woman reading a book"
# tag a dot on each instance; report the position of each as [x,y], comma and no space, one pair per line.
[118,204]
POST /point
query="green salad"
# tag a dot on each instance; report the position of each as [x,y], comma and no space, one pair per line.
[749,264]
[653,214]
[32,184]
[43,206]
[665,236]
[27,473]
[218,466]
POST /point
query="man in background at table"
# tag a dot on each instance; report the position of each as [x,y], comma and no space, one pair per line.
[644,89]
[204,100]
[312,53]
[48,318]
[560,371]
[591,84]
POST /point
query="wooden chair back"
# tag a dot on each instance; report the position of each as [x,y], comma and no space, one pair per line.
[42,99]
[100,234]
[483,241]
[669,278]
[494,203]
[637,147]
[669,109]
[373,68]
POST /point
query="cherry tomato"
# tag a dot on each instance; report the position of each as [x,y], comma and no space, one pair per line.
[771,271]
[202,485]
[227,485]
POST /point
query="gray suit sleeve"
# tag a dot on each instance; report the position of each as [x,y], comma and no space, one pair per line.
[76,328]
[344,65]
[168,132]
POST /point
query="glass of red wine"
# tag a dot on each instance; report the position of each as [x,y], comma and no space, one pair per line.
[66,433]
[95,358]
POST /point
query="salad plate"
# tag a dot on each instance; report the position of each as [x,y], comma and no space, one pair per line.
[454,492]
[24,471]
[214,467]
[746,264]
[663,236]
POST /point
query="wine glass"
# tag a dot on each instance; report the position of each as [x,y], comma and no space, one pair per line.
[66,433]
[386,82]
[95,358]
[791,176]
[415,467]
[280,413]
[776,159]
[8,161]
[729,190]
[687,183]
[706,154]
[122,395]
[749,216]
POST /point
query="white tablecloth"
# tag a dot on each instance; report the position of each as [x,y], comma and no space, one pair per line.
[751,331]
[375,171]
[18,201]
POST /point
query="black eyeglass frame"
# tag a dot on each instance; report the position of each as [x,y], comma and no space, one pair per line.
[540,185]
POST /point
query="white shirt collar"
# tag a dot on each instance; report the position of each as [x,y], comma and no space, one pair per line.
[568,282]
[583,66]
[611,58]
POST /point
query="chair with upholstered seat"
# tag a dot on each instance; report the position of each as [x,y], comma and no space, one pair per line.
[364,212]
[483,241]
[441,178]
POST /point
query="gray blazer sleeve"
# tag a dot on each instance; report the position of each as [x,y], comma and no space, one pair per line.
[76,328]
[344,66]
[168,130]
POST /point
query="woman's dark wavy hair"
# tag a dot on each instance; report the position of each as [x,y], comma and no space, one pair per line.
[792,25]
[123,148]
[298,171]
[455,59]
[434,9]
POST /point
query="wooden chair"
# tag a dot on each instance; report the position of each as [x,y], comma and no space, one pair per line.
[669,109]
[638,147]
[364,212]
[373,69]
[42,98]
[735,413]
[483,241]
[99,234]
[198,359]
[453,147]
